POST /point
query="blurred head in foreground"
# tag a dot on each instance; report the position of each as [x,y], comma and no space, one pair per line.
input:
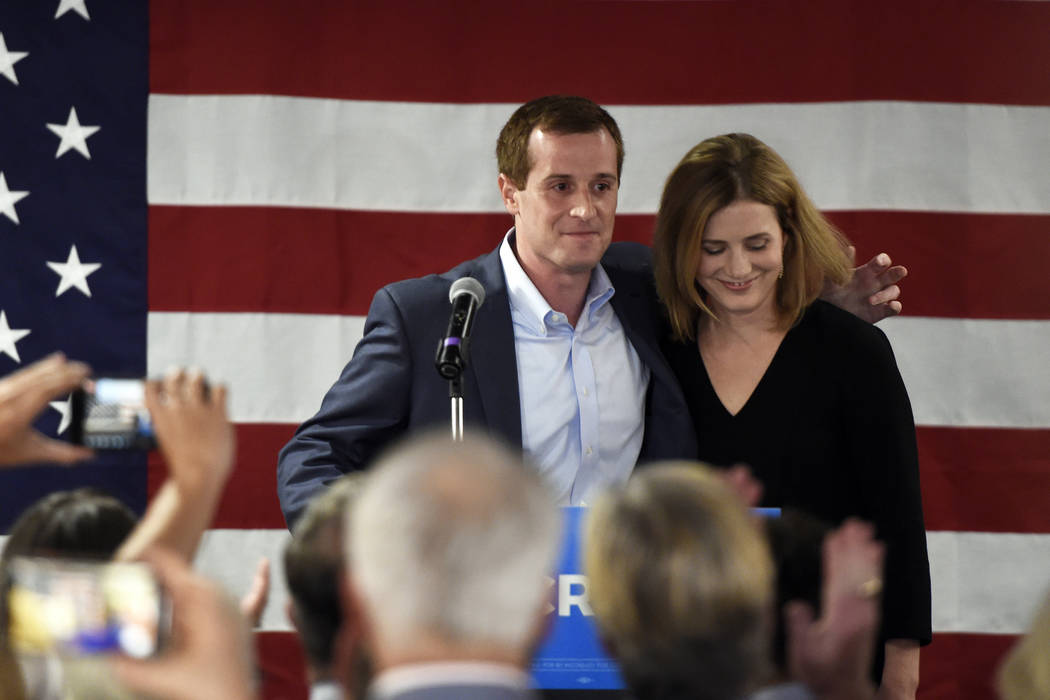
[1026,671]
[83,523]
[449,545]
[313,568]
[681,582]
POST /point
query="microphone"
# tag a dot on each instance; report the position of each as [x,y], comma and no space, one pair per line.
[467,296]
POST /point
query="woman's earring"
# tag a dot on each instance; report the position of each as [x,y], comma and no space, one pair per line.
[780,275]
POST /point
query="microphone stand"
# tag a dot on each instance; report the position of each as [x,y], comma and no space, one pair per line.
[455,393]
[452,370]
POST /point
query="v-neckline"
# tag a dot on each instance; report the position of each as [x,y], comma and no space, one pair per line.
[754,391]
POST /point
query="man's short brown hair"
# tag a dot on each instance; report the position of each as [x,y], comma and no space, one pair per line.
[560,114]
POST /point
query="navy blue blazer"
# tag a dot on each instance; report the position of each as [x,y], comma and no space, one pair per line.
[390,386]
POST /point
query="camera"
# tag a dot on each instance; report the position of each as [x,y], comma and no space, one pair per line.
[76,608]
[109,413]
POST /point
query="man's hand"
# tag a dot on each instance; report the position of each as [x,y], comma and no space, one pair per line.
[210,655]
[832,655]
[872,293]
[23,395]
[193,432]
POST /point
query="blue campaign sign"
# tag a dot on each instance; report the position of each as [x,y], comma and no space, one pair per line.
[572,656]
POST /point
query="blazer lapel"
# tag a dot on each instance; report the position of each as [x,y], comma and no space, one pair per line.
[493,364]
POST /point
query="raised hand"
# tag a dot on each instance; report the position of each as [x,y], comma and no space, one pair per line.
[23,395]
[832,655]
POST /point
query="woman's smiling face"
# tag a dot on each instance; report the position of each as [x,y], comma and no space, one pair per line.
[741,256]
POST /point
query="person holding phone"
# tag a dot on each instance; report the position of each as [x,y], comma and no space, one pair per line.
[808,395]
[23,395]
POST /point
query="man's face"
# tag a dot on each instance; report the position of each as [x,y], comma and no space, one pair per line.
[564,214]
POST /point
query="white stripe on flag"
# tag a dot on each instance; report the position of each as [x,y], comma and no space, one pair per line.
[971,592]
[986,582]
[959,372]
[231,556]
[967,372]
[277,366]
[310,152]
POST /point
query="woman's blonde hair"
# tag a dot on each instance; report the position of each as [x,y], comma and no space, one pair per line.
[713,174]
[681,582]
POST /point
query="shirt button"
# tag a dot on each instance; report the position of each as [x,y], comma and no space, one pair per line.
[586,391]
[589,451]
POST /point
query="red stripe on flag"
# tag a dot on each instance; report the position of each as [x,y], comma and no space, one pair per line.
[327,261]
[961,666]
[961,265]
[301,260]
[651,53]
[250,499]
[985,479]
[282,668]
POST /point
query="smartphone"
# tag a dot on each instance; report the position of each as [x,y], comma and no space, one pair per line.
[109,413]
[77,608]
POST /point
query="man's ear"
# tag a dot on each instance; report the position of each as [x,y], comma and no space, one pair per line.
[508,192]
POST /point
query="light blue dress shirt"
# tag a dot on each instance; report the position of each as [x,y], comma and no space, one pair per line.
[582,389]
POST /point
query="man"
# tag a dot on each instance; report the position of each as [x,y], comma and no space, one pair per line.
[566,361]
[449,547]
[313,568]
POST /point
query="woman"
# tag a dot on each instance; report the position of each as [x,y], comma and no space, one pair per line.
[680,579]
[806,394]
[681,583]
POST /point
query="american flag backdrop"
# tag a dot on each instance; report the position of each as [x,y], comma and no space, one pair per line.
[225,183]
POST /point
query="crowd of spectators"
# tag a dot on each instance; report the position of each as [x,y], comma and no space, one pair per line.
[424,577]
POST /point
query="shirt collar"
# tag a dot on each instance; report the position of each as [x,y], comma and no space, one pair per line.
[401,679]
[528,305]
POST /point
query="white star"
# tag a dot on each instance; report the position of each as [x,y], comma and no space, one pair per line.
[8,198]
[63,407]
[73,272]
[78,6]
[8,59]
[9,336]
[73,134]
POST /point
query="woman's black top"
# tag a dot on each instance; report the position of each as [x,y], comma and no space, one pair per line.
[829,430]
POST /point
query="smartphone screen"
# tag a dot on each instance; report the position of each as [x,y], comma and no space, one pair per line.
[110,414]
[75,608]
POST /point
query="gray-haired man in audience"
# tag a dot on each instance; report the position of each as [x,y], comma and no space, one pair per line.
[448,548]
